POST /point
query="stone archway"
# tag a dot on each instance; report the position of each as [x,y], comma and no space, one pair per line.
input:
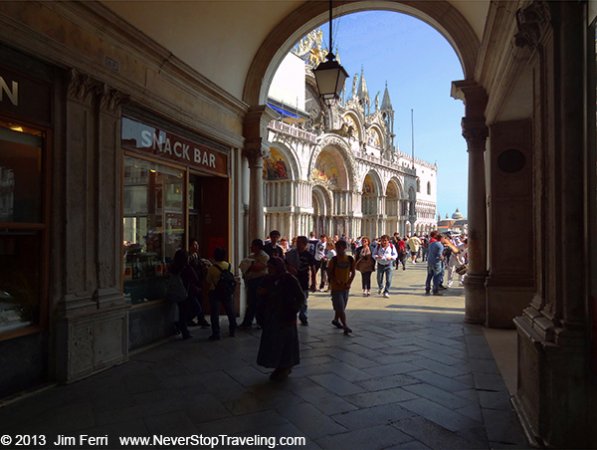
[392,211]
[448,21]
[441,15]
[322,210]
[372,207]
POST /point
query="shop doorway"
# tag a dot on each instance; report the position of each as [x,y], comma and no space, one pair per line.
[209,213]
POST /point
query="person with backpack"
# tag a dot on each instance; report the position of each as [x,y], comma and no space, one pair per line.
[385,254]
[220,291]
[341,272]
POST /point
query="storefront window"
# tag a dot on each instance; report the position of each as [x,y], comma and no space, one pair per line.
[21,226]
[153,225]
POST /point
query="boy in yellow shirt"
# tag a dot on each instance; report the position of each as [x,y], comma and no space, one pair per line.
[341,272]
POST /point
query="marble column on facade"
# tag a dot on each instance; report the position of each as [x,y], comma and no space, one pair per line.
[475,132]
[256,147]
[92,330]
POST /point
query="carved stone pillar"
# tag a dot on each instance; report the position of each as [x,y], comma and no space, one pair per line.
[475,132]
[556,391]
[92,326]
[256,147]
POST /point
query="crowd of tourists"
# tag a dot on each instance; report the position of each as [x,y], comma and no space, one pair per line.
[279,275]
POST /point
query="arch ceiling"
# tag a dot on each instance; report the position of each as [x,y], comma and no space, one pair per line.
[236,43]
[371,184]
[276,166]
[330,169]
[392,190]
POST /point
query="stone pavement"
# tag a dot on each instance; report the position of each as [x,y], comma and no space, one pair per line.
[412,376]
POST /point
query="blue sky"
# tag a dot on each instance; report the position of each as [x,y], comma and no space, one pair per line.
[419,65]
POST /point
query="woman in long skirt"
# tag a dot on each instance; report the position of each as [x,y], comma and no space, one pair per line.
[280,299]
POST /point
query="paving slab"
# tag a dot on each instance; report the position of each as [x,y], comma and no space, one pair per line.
[412,376]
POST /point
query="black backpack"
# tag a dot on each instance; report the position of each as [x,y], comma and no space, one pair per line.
[226,284]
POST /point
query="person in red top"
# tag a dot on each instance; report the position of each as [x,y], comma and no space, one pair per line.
[401,253]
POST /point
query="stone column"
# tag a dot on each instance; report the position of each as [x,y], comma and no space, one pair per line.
[256,147]
[475,132]
[556,390]
[92,318]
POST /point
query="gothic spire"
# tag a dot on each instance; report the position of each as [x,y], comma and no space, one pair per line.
[386,103]
[363,92]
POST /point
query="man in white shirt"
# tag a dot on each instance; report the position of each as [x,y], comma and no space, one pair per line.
[385,254]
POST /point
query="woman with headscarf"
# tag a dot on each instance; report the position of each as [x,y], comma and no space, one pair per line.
[280,299]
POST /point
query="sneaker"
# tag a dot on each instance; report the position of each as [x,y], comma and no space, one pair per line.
[347,331]
[379,292]
[427,292]
[336,324]
[386,295]
[364,293]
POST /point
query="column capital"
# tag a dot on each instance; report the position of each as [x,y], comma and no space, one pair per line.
[472,94]
[255,132]
[81,86]
[111,99]
[532,23]
[255,150]
[256,121]
[475,132]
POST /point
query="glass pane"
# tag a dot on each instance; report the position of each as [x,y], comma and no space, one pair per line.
[20,175]
[20,279]
[153,225]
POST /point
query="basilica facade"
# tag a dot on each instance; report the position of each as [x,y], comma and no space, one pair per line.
[335,168]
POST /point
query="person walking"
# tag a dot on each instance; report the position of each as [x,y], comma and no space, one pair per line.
[220,294]
[321,260]
[415,244]
[396,241]
[402,253]
[280,298]
[341,272]
[365,264]
[272,248]
[435,258]
[384,255]
[425,246]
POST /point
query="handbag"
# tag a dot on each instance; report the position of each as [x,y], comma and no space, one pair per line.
[461,270]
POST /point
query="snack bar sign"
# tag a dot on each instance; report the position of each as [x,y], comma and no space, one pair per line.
[149,139]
